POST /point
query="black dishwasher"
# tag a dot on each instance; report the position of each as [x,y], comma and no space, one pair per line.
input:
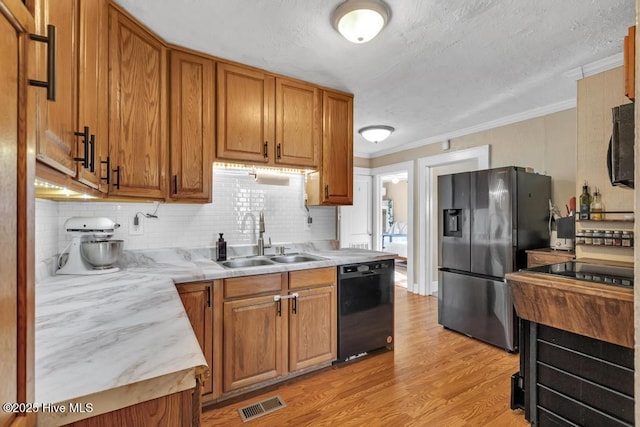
[365,308]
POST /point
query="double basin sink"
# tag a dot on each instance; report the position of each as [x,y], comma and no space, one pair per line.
[256,261]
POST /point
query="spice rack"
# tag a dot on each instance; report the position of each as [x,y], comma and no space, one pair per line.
[604,234]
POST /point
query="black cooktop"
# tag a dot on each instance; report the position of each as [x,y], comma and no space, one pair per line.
[605,274]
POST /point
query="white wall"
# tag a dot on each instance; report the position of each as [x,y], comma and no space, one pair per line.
[237,199]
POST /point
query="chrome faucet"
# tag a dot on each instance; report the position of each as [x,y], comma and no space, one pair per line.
[261,244]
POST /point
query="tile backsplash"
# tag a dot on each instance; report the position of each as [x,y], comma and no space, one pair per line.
[237,202]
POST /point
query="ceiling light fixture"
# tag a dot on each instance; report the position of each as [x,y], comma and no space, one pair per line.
[376,133]
[361,20]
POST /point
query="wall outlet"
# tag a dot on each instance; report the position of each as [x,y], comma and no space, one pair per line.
[136,227]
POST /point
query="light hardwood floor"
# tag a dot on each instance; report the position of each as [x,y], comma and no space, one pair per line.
[434,377]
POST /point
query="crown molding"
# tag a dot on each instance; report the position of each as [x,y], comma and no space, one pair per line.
[514,118]
[596,67]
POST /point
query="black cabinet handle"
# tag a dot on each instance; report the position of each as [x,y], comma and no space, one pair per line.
[278,153]
[266,149]
[279,308]
[92,155]
[175,184]
[117,172]
[295,304]
[50,40]
[85,142]
[326,191]
[108,164]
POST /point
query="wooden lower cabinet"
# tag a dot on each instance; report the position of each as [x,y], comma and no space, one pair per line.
[253,342]
[196,298]
[170,411]
[276,325]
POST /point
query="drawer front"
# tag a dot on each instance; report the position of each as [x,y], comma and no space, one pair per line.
[315,277]
[253,285]
[586,392]
[574,412]
[588,367]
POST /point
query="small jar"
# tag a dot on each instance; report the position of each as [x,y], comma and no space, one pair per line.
[627,238]
[598,238]
[617,238]
[608,238]
[588,237]
[580,239]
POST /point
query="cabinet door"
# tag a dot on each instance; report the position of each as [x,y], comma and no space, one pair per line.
[245,108]
[192,131]
[16,208]
[196,298]
[93,92]
[137,109]
[312,328]
[253,341]
[56,120]
[336,178]
[298,123]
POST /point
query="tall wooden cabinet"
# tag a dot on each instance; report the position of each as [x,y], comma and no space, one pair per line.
[17,163]
[192,138]
[137,109]
[333,183]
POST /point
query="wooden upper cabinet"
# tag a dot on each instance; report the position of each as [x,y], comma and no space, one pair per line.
[245,109]
[337,148]
[192,126]
[56,120]
[137,109]
[93,91]
[298,123]
[333,184]
[630,64]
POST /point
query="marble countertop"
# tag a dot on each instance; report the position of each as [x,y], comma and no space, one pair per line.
[99,333]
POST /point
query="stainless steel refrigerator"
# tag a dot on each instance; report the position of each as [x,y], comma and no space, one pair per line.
[487,219]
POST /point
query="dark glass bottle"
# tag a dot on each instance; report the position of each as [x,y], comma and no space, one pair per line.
[585,203]
[221,249]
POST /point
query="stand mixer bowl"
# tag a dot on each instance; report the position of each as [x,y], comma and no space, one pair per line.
[101,253]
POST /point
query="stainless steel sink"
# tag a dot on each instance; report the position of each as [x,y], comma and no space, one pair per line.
[290,259]
[245,262]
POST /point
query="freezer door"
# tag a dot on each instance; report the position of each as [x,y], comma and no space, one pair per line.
[478,307]
[454,221]
[492,226]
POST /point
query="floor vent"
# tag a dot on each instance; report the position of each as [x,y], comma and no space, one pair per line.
[261,408]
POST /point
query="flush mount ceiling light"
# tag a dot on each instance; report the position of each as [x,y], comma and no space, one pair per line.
[376,133]
[361,20]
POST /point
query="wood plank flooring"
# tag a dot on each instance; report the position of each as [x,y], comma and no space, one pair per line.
[434,377]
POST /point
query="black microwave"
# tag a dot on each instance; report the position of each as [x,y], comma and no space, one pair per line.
[620,155]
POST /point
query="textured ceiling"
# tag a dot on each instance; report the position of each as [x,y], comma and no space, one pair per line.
[438,67]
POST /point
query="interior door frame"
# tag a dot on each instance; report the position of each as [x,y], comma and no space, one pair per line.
[427,243]
[377,173]
[344,227]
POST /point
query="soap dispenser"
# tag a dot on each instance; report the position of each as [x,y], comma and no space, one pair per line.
[221,249]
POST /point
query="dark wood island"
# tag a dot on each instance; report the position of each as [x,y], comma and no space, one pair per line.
[576,344]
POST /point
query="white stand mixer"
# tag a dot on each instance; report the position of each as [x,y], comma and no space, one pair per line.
[85,229]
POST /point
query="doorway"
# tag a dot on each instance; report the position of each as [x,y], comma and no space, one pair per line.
[393,217]
[429,169]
